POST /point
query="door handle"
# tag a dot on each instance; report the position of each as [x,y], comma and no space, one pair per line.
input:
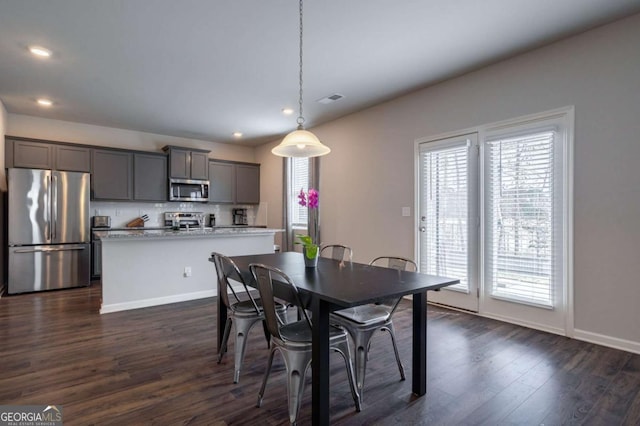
[49,212]
[54,206]
[49,250]
[422,229]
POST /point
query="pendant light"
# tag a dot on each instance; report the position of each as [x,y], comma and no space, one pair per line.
[300,142]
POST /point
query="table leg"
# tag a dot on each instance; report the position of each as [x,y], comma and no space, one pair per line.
[419,370]
[222,321]
[320,363]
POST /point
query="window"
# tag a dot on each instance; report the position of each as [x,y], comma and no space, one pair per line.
[523,213]
[298,179]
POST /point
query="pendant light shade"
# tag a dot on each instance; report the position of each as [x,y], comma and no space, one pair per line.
[300,142]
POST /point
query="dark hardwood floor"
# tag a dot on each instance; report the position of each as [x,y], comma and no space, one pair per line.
[158,366]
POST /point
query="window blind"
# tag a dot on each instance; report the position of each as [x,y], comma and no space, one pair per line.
[445,179]
[520,206]
[299,180]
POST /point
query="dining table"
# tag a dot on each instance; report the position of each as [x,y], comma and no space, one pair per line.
[333,285]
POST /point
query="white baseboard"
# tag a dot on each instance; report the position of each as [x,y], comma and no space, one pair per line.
[535,326]
[586,336]
[145,303]
[604,340]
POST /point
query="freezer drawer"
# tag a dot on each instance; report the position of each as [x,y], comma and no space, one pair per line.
[48,267]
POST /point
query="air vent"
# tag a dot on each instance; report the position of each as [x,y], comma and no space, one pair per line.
[331,98]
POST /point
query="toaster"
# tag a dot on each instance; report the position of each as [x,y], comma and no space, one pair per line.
[101,222]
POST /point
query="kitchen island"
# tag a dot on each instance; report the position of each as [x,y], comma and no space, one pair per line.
[142,268]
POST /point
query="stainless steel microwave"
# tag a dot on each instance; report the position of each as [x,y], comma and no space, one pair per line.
[188,190]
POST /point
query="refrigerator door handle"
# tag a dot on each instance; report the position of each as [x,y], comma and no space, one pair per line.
[49,250]
[54,207]
[48,211]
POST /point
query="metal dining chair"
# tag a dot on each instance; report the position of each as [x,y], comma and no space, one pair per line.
[363,321]
[243,312]
[294,340]
[336,252]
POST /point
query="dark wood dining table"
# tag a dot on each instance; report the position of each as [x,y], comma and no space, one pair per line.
[334,285]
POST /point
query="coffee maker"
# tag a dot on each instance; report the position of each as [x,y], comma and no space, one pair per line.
[240,216]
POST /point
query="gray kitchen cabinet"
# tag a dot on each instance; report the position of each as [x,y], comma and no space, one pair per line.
[232,182]
[43,155]
[188,163]
[72,158]
[27,154]
[150,181]
[112,177]
[247,184]
[180,164]
[222,182]
[199,165]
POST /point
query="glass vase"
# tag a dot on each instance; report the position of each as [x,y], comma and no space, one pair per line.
[310,255]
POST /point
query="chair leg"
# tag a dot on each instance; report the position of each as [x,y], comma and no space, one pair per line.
[267,335]
[392,333]
[243,326]
[225,339]
[297,363]
[361,341]
[343,349]
[266,376]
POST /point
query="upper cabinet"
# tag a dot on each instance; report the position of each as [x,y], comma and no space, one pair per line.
[188,163]
[112,177]
[222,182]
[247,184]
[237,183]
[150,181]
[72,158]
[125,175]
[43,155]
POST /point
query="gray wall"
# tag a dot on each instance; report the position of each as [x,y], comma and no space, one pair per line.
[369,175]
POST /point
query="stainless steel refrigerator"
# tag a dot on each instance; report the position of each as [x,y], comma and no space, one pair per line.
[49,231]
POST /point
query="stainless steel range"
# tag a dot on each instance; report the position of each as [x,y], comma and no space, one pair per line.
[184,220]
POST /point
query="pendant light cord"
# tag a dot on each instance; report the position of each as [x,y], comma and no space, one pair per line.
[300,117]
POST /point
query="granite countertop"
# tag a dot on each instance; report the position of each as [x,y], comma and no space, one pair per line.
[207,232]
[155,228]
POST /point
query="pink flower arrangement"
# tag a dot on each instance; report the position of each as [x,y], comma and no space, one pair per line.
[309,200]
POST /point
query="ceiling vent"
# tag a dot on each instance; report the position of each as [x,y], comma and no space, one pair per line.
[331,98]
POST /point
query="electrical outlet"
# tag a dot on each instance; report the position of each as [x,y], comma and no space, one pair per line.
[406,211]
[118,212]
[187,271]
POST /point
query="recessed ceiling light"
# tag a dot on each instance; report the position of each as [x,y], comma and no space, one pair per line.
[44,102]
[40,51]
[237,134]
[287,111]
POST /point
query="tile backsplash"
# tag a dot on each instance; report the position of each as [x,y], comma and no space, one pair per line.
[123,212]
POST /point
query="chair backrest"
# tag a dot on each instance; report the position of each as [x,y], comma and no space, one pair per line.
[336,252]
[264,276]
[227,270]
[400,264]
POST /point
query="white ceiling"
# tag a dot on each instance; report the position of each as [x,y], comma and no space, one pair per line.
[205,68]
